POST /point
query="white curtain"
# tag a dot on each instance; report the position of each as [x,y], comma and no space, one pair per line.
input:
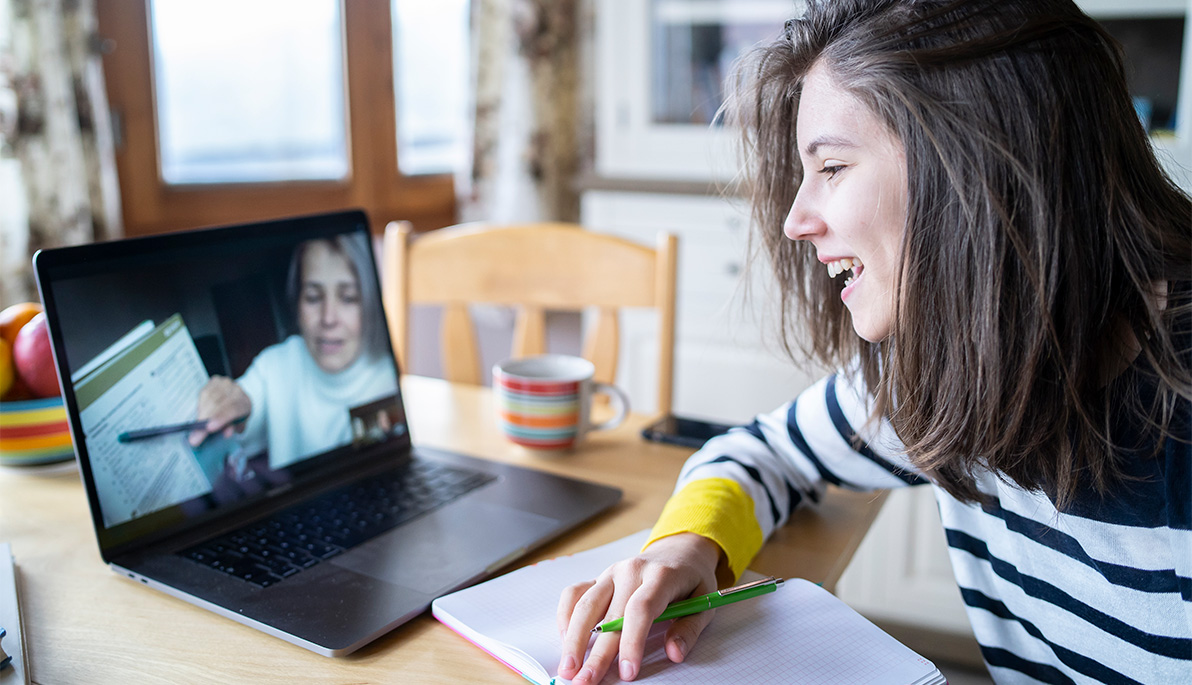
[58,183]
[529,127]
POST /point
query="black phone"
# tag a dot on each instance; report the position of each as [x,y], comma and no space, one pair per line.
[683,430]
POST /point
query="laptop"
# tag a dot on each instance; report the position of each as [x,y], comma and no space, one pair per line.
[307,512]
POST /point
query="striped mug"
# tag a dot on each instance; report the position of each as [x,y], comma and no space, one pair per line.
[545,402]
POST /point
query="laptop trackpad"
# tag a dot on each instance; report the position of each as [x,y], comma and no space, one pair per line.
[447,546]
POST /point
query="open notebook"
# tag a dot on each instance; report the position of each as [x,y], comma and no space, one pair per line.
[799,634]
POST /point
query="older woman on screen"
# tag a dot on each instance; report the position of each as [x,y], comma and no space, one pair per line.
[296,394]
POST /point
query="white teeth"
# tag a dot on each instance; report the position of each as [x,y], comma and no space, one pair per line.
[839,266]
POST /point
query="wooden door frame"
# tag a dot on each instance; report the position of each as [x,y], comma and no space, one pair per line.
[375,184]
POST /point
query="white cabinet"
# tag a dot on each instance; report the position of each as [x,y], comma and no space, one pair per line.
[661,65]
[1157,38]
[724,368]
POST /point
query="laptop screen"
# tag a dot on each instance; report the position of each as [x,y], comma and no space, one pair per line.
[273,334]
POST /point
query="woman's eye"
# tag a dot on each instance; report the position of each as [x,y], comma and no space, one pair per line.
[312,296]
[831,170]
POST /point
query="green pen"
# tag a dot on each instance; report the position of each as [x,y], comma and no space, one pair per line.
[711,600]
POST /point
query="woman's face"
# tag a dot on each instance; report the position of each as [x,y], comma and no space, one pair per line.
[329,312]
[852,203]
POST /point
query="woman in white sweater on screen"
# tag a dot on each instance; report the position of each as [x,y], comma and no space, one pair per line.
[965,217]
[297,393]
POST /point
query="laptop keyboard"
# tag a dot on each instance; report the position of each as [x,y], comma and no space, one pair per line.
[297,538]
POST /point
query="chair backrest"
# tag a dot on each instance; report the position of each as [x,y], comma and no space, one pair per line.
[534,268]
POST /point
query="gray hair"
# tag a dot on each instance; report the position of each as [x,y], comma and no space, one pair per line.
[374,338]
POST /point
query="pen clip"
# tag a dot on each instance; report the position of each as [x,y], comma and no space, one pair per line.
[750,586]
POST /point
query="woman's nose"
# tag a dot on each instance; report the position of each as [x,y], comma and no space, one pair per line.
[802,221]
[330,314]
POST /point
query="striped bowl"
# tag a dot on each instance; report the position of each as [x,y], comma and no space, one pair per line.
[34,432]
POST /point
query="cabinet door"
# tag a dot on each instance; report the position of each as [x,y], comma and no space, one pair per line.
[662,65]
[901,572]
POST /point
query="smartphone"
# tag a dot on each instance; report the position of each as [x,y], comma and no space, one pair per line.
[683,430]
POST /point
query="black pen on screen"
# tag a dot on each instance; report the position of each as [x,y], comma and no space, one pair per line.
[129,436]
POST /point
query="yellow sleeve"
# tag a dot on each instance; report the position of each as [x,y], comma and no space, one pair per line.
[718,509]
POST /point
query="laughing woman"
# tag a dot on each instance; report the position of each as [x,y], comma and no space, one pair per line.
[967,220]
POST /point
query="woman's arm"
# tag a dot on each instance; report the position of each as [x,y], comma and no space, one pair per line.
[730,497]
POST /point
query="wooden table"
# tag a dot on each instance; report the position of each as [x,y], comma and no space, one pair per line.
[84,623]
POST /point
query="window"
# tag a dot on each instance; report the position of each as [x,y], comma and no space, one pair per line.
[230,111]
[431,64]
[284,119]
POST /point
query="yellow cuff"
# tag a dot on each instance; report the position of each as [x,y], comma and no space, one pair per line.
[718,509]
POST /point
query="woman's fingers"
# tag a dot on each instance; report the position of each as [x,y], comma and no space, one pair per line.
[221,402]
[638,590]
[643,607]
[567,602]
[683,633]
[590,609]
[649,602]
[601,658]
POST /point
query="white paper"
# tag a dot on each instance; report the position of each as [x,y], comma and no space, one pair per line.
[801,633]
[143,476]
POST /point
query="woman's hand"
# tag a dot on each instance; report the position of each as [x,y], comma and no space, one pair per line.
[221,403]
[673,568]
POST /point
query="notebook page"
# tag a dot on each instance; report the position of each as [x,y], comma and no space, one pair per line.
[519,608]
[801,631]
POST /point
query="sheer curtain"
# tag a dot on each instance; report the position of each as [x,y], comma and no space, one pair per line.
[529,134]
[58,183]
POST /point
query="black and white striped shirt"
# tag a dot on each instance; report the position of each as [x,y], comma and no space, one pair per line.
[1101,592]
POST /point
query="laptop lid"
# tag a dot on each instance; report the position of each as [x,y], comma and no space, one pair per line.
[147,329]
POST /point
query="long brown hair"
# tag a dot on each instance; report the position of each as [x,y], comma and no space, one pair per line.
[1038,224]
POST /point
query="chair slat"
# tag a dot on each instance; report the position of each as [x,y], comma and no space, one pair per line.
[529,334]
[461,356]
[601,345]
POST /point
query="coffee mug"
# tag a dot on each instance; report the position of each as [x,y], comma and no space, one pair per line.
[544,402]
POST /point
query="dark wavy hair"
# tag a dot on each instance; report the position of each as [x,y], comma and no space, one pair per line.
[1039,225]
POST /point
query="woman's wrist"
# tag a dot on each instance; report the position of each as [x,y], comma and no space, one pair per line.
[698,550]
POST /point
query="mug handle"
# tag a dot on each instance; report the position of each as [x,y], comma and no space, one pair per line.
[620,402]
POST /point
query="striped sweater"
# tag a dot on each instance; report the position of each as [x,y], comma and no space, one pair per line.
[1099,593]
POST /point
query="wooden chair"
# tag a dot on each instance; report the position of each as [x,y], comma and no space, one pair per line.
[534,268]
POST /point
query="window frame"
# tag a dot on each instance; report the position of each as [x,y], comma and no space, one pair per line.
[374,182]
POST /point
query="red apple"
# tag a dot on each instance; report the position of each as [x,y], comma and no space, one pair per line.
[33,358]
[18,390]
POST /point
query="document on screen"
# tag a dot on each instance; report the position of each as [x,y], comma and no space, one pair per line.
[153,381]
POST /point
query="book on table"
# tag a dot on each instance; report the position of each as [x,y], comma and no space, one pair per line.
[800,633]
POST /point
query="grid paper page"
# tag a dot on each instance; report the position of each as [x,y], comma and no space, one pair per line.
[799,634]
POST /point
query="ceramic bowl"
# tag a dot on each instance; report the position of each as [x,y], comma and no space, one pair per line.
[34,432]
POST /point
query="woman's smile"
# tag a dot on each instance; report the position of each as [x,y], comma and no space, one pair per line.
[851,203]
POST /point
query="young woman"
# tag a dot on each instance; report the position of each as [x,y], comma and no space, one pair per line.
[967,219]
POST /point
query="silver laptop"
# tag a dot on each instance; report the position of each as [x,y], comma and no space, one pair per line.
[241,434]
